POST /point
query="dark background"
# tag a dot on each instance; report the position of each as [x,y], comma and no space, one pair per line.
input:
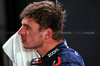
[82,29]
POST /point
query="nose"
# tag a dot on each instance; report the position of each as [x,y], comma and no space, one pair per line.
[21,31]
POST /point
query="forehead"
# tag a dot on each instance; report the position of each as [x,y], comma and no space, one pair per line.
[30,22]
[26,20]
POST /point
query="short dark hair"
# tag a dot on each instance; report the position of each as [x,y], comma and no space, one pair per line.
[47,15]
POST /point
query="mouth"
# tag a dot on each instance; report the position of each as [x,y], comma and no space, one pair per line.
[22,40]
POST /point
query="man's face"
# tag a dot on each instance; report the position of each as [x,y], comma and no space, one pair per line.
[30,35]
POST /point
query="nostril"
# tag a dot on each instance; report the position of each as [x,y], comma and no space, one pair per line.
[21,33]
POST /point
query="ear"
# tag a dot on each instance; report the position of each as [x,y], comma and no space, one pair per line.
[48,33]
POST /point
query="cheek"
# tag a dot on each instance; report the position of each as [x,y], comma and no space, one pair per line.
[32,35]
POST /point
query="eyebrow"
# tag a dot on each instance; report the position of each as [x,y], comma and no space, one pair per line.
[26,25]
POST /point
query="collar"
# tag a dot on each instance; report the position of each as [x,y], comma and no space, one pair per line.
[55,50]
[51,54]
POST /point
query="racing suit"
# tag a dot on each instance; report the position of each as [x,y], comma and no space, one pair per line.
[61,55]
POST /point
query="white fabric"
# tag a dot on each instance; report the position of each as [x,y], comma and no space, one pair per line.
[15,51]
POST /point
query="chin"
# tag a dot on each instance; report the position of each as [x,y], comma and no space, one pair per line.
[27,47]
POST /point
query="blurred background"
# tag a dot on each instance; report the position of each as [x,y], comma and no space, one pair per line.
[82,29]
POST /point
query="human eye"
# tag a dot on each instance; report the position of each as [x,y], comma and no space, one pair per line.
[27,27]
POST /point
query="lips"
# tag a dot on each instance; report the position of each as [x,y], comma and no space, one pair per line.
[23,40]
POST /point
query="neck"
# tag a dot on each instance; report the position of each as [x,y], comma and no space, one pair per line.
[47,46]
